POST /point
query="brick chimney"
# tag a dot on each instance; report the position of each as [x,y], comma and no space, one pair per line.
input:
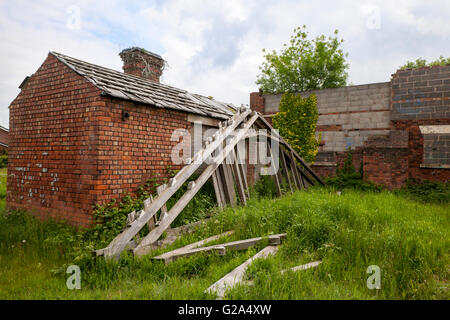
[142,63]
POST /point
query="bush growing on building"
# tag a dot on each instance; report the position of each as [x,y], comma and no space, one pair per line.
[304,64]
[297,121]
[419,63]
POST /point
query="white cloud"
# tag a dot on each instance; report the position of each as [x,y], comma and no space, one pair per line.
[214,47]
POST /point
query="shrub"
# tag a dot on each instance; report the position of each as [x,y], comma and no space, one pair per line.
[349,177]
[3,161]
[297,122]
[426,191]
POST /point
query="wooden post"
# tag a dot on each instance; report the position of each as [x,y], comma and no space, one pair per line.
[275,175]
[163,214]
[295,171]
[285,169]
[238,179]
[243,170]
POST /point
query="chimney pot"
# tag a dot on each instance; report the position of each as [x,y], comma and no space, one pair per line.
[142,63]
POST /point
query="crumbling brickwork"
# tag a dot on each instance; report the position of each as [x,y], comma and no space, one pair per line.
[356,116]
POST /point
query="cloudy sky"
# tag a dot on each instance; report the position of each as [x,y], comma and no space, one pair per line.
[214,47]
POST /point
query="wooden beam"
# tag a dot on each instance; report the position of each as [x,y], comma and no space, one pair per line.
[303,267]
[295,171]
[285,170]
[217,189]
[118,244]
[242,169]
[235,245]
[237,275]
[275,175]
[160,189]
[167,256]
[184,200]
[300,159]
[238,179]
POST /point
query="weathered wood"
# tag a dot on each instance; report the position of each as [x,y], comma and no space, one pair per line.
[228,183]
[237,275]
[118,244]
[303,267]
[243,170]
[235,245]
[285,170]
[160,189]
[217,191]
[299,158]
[168,255]
[295,171]
[204,176]
[275,176]
[238,179]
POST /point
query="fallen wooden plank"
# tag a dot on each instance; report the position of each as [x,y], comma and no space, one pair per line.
[235,245]
[273,167]
[303,267]
[167,255]
[237,275]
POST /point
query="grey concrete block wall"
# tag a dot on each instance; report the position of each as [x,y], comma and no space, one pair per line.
[348,115]
[421,94]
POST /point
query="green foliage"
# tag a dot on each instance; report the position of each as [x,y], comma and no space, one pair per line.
[296,122]
[3,161]
[408,240]
[419,63]
[264,188]
[3,173]
[304,65]
[426,191]
[349,177]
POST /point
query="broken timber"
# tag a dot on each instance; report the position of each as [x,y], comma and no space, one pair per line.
[237,275]
[225,178]
[220,248]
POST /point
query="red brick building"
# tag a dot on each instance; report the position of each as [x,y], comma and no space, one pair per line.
[397,130]
[81,134]
[4,139]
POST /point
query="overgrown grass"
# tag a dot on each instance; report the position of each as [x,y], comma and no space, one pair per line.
[3,173]
[407,239]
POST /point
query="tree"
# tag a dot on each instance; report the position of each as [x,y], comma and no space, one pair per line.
[296,123]
[419,63]
[304,65]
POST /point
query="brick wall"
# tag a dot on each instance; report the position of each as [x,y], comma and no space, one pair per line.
[53,143]
[132,151]
[421,97]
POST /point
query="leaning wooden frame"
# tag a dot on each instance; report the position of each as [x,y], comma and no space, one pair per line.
[226,176]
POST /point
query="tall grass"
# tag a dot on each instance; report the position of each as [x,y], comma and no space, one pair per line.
[408,240]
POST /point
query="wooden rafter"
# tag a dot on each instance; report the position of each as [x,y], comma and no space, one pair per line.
[226,176]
